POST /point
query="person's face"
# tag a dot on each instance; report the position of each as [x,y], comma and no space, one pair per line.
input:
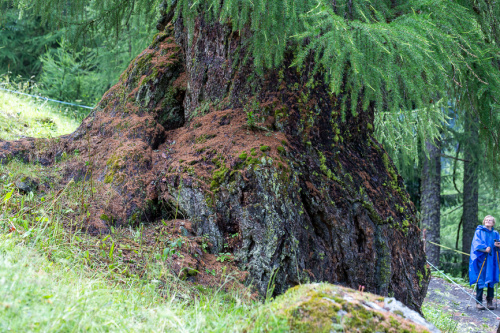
[489,222]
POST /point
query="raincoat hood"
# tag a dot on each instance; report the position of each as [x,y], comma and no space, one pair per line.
[483,228]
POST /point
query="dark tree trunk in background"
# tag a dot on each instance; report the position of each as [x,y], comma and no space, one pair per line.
[303,196]
[430,199]
[470,190]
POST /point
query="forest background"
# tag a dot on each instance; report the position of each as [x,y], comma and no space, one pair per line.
[72,64]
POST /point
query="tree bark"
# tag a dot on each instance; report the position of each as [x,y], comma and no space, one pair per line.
[430,194]
[262,166]
[470,190]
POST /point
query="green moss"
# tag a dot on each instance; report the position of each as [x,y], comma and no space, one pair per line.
[388,167]
[281,75]
[218,161]
[114,164]
[328,173]
[316,307]
[201,150]
[281,150]
[281,112]
[133,218]
[264,148]
[399,313]
[348,176]
[218,177]
[394,178]
[243,157]
[143,61]
[323,308]
[372,212]
[420,278]
[108,179]
[210,200]
[361,318]
[253,152]
[152,76]
[383,267]
[399,208]
[394,322]
[204,137]
[106,218]
[253,161]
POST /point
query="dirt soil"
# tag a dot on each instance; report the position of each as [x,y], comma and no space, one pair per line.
[455,301]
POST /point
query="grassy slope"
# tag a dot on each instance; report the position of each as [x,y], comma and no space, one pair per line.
[49,282]
[58,296]
[27,117]
[52,281]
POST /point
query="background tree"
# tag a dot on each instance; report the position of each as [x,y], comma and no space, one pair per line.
[471,189]
[23,40]
[431,198]
[482,118]
[476,99]
[63,66]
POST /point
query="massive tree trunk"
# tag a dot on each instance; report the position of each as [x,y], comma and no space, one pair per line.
[430,194]
[263,166]
[471,189]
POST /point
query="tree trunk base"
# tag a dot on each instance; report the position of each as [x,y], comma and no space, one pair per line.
[263,167]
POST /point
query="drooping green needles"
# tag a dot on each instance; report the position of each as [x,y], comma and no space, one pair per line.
[392,56]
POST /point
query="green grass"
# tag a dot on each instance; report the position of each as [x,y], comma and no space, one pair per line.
[442,319]
[41,295]
[22,116]
[46,296]
[54,278]
[464,282]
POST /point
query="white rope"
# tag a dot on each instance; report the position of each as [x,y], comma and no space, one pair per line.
[47,99]
[465,291]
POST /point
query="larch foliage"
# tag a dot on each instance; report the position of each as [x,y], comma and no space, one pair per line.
[395,56]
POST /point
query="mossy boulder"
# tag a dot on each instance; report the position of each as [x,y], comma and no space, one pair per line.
[330,308]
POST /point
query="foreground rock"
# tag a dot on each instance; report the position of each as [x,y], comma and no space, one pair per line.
[264,168]
[26,185]
[330,308]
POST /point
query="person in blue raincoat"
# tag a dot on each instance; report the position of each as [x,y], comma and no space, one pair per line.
[484,261]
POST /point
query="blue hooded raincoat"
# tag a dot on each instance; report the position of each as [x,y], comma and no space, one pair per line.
[484,238]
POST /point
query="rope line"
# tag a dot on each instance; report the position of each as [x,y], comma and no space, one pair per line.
[465,291]
[449,248]
[47,99]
